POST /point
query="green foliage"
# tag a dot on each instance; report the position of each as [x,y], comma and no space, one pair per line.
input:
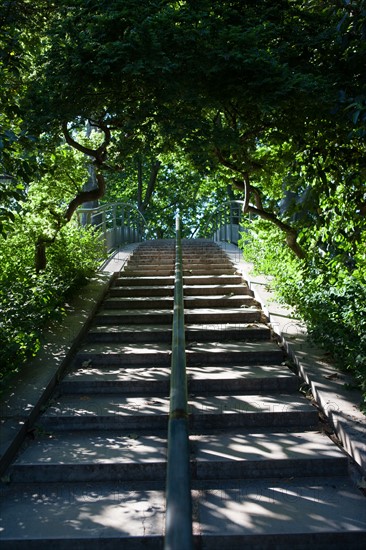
[328,295]
[27,300]
[179,186]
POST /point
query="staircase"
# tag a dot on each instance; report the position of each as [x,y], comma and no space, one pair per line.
[92,472]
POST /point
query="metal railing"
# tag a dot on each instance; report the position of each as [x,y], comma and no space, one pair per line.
[178,487]
[225,223]
[119,223]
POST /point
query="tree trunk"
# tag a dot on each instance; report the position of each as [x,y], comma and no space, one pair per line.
[40,256]
[99,155]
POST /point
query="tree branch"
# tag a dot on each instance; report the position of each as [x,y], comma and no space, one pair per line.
[152,182]
[86,196]
[290,232]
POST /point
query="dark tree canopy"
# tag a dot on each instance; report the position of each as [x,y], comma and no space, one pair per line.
[267,94]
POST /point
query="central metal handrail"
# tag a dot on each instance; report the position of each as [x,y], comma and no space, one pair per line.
[178,528]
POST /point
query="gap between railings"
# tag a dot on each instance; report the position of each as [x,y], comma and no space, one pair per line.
[178,525]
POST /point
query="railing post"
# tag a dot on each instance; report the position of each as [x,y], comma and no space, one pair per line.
[114,224]
[178,487]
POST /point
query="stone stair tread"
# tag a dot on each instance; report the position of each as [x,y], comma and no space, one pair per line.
[232,346]
[247,404]
[142,290]
[91,354]
[228,299]
[107,448]
[106,406]
[227,331]
[194,328]
[125,300]
[199,372]
[261,351]
[134,312]
[124,348]
[191,280]
[163,333]
[225,289]
[134,317]
[204,315]
[139,302]
[104,510]
[117,374]
[161,351]
[146,281]
[229,372]
[94,448]
[236,445]
[129,329]
[251,510]
[205,278]
[233,310]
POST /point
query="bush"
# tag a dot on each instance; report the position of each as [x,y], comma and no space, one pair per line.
[29,300]
[324,293]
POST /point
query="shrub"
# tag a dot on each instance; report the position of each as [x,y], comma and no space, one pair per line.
[324,293]
[29,300]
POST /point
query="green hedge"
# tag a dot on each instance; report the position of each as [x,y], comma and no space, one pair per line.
[329,297]
[29,300]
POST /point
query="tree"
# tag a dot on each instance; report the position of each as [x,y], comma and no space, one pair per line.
[224,80]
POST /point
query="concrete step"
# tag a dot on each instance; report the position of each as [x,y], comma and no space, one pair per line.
[212,290]
[207,412]
[202,378]
[284,513]
[163,333]
[244,379]
[117,381]
[193,269]
[156,354]
[107,456]
[124,280]
[167,302]
[203,280]
[233,352]
[134,317]
[217,279]
[207,316]
[223,300]
[222,315]
[159,354]
[213,412]
[106,412]
[156,272]
[94,456]
[129,334]
[206,259]
[222,332]
[243,455]
[279,513]
[139,291]
[83,516]
[168,290]
[139,303]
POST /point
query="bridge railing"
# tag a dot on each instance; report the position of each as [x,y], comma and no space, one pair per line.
[223,224]
[118,223]
[226,222]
